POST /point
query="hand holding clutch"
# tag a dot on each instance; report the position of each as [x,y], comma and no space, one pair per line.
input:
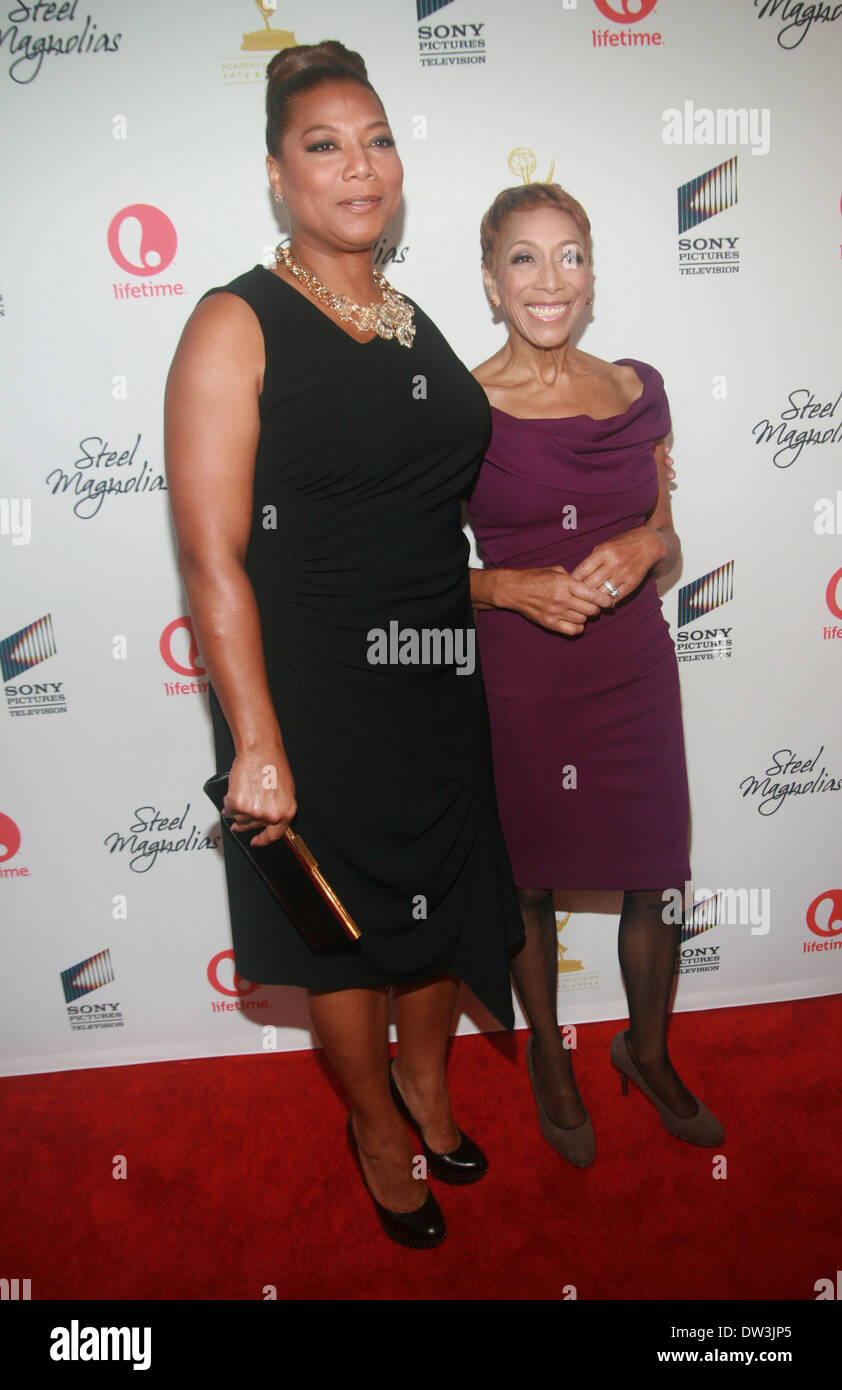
[291,873]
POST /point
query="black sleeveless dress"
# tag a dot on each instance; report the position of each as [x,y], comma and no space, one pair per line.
[356,544]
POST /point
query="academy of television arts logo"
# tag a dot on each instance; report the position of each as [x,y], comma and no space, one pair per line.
[257,46]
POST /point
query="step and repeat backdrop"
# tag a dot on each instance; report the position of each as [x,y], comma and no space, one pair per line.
[703,141]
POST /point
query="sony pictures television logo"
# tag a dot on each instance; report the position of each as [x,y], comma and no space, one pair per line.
[699,199]
[20,651]
[702,914]
[82,979]
[713,192]
[445,45]
[705,642]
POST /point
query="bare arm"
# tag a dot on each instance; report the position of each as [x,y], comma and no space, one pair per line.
[661,518]
[211,433]
[549,597]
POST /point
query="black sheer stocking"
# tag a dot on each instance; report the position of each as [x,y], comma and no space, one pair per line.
[535,973]
[647,947]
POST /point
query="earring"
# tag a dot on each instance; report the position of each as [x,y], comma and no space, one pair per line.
[588,300]
[278,198]
[495,303]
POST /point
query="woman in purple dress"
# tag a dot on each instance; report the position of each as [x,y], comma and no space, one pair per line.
[572,516]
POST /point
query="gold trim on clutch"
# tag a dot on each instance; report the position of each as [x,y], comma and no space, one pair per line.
[299,848]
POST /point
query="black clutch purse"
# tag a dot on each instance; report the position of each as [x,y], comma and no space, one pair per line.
[291,873]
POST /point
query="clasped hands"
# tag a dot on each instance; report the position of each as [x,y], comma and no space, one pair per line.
[563,601]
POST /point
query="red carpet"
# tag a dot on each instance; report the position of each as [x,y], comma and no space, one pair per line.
[238,1177]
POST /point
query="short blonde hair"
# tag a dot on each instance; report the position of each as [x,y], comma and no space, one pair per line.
[525,198]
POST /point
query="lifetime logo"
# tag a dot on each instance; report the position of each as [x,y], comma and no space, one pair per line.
[165,648]
[824,918]
[625,11]
[143,241]
[241,987]
[10,839]
[192,666]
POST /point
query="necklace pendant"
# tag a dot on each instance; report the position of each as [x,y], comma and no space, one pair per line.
[391,318]
[389,314]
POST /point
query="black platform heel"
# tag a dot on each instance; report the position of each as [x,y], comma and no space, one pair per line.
[466,1164]
[422,1229]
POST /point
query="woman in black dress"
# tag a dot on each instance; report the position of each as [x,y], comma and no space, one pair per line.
[320,434]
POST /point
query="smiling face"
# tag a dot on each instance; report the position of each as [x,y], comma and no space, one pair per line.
[542,275]
[337,169]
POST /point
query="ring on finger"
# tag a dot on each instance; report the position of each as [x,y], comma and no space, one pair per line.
[614,593]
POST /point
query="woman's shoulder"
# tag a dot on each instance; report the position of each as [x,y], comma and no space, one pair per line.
[225,320]
[622,370]
[644,370]
[250,284]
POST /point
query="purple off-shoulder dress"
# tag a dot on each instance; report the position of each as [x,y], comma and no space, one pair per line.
[586,731]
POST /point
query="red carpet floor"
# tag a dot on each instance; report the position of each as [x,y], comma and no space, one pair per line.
[239,1177]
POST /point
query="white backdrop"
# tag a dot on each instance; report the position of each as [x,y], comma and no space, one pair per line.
[134,175]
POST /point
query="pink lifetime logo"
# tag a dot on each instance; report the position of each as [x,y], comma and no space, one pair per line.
[165,648]
[241,986]
[142,239]
[9,838]
[832,594]
[625,11]
[824,915]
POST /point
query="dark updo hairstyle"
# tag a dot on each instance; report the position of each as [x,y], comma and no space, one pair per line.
[526,198]
[300,69]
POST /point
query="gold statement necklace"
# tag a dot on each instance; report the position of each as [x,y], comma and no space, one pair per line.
[392,317]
